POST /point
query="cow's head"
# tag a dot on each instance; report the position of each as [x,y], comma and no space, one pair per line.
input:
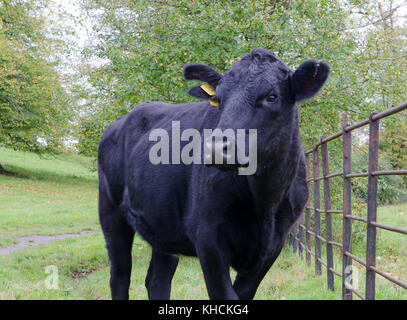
[258,92]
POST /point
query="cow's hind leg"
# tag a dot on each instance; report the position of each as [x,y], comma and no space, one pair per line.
[159,276]
[119,241]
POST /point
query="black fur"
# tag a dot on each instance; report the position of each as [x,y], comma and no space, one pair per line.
[223,218]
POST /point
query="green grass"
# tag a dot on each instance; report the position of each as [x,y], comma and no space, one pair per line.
[391,253]
[66,165]
[59,195]
[83,273]
[45,196]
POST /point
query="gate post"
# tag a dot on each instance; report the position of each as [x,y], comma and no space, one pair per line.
[317,220]
[307,217]
[347,210]
[300,236]
[328,217]
[372,207]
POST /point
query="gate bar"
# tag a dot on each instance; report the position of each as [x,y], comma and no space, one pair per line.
[328,217]
[317,219]
[307,216]
[372,207]
[347,211]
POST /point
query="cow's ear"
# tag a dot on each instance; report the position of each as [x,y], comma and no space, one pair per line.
[309,78]
[198,92]
[202,72]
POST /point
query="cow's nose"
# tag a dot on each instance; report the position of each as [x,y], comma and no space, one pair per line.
[219,151]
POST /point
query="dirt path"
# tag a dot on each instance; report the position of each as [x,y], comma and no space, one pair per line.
[32,241]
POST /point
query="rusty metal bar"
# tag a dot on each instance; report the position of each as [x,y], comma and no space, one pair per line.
[311,233]
[322,263]
[319,179]
[317,218]
[321,238]
[332,137]
[389,277]
[328,218]
[357,293]
[300,236]
[390,172]
[328,211]
[395,229]
[372,207]
[375,117]
[347,211]
[357,125]
[372,174]
[307,217]
[301,248]
[350,255]
[311,253]
[389,112]
[356,218]
[334,211]
[335,272]
[295,229]
[355,175]
[338,174]
[336,244]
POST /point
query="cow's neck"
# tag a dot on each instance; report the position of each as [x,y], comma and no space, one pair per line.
[270,186]
[275,174]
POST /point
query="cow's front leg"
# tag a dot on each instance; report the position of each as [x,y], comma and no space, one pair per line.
[215,266]
[246,284]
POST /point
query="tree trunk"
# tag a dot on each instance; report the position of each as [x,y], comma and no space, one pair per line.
[2,171]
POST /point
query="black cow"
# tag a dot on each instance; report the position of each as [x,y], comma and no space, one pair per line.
[209,211]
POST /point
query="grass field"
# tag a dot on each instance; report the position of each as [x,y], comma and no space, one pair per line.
[58,195]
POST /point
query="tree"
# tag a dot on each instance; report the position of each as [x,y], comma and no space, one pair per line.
[147,42]
[33,102]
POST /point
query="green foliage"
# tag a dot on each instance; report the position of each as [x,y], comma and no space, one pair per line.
[391,188]
[147,42]
[33,102]
[394,143]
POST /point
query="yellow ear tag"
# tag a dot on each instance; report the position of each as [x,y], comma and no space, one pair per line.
[214,103]
[208,89]
[211,91]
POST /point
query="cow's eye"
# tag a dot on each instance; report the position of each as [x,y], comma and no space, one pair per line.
[271,98]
